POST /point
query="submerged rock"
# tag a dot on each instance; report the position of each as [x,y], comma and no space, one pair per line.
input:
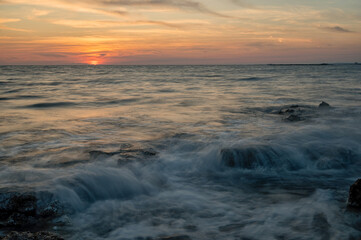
[324,105]
[126,154]
[31,236]
[294,118]
[354,196]
[294,113]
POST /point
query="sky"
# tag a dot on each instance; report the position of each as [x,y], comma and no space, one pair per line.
[179,31]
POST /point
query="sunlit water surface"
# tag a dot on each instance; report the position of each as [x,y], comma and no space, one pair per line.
[141,151]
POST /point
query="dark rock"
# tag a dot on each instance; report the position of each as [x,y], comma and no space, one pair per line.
[25,203]
[295,113]
[54,209]
[176,237]
[294,118]
[19,211]
[324,105]
[354,196]
[291,109]
[16,202]
[20,220]
[126,154]
[148,152]
[31,236]
[135,154]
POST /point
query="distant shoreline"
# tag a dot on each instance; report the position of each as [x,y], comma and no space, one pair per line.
[260,64]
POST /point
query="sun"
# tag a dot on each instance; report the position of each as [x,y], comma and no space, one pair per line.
[94,62]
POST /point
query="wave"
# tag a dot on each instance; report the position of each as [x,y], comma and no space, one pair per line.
[91,183]
[289,158]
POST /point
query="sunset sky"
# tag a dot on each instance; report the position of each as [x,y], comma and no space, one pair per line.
[179,31]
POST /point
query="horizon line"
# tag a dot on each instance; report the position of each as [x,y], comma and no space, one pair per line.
[200,64]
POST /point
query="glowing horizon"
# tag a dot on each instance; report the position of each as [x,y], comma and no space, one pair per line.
[179,32]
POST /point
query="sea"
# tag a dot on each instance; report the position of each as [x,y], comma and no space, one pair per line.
[183,152]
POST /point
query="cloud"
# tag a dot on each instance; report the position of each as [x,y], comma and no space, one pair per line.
[112,24]
[7,20]
[337,29]
[15,29]
[242,3]
[10,20]
[179,4]
[39,13]
[106,4]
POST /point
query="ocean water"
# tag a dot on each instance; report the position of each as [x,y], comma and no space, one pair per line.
[144,152]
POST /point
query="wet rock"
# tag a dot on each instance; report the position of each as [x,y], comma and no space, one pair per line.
[126,154]
[31,236]
[291,109]
[176,237]
[25,204]
[324,105]
[129,155]
[54,209]
[20,220]
[294,118]
[17,203]
[23,210]
[354,196]
[294,113]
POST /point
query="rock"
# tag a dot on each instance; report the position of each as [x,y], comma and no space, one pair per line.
[354,196]
[31,236]
[17,203]
[25,203]
[294,113]
[294,118]
[54,209]
[135,154]
[20,220]
[127,154]
[20,211]
[324,105]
